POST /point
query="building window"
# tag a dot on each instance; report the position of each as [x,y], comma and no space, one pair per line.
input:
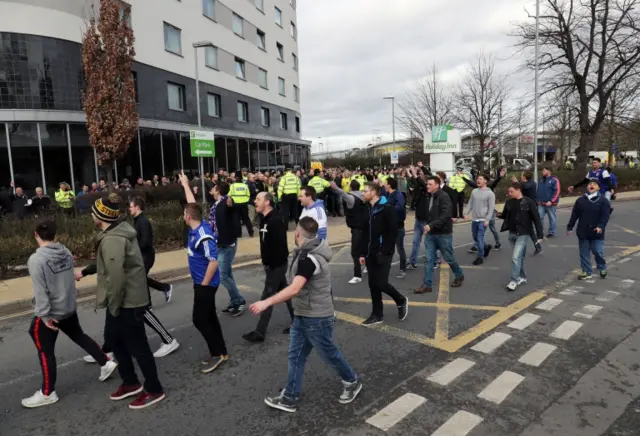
[260,5]
[294,31]
[298,124]
[280,51]
[209,9]
[282,86]
[263,78]
[266,117]
[211,57]
[135,85]
[214,106]
[278,16]
[240,71]
[172,39]
[176,95]
[261,40]
[238,23]
[283,121]
[294,59]
[243,112]
[296,93]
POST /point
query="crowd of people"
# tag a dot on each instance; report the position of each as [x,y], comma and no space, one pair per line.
[374,204]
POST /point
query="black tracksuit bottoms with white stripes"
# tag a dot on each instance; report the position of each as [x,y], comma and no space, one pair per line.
[149,319]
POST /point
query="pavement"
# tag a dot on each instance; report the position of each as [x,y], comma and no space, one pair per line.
[16,294]
[556,357]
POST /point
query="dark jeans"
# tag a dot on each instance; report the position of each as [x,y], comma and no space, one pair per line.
[243,212]
[477,231]
[307,334]
[129,342]
[205,319]
[149,260]
[45,340]
[400,248]
[459,205]
[379,267]
[289,209]
[356,234]
[275,281]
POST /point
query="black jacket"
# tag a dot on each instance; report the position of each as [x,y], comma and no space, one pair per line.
[19,206]
[274,250]
[453,196]
[422,199]
[439,216]
[145,237]
[521,217]
[227,224]
[530,189]
[380,229]
[41,205]
[260,186]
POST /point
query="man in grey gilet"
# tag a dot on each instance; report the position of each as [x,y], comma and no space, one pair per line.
[309,276]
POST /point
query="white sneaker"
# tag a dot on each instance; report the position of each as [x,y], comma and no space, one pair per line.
[107,369]
[512,285]
[39,399]
[365,270]
[521,281]
[90,359]
[166,349]
[168,294]
[355,280]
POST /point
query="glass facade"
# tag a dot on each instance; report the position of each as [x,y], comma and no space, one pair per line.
[46,154]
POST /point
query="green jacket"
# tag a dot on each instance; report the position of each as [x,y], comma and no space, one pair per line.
[122,278]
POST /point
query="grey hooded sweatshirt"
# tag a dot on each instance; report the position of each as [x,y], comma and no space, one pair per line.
[314,300]
[54,285]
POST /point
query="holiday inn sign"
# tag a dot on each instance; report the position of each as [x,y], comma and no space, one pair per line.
[442,139]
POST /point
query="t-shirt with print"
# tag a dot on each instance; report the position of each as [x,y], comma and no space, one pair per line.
[202,250]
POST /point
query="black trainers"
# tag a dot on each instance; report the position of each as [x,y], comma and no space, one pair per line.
[603,273]
[498,246]
[538,249]
[373,319]
[412,266]
[286,331]
[236,310]
[478,261]
[253,337]
[228,309]
[350,391]
[473,249]
[281,403]
[487,250]
[403,310]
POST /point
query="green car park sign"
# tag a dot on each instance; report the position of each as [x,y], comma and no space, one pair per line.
[202,143]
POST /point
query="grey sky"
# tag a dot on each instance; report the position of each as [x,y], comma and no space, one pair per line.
[354,52]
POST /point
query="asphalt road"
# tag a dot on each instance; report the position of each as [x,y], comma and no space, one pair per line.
[588,385]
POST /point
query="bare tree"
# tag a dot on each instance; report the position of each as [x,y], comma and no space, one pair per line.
[477,104]
[589,47]
[428,105]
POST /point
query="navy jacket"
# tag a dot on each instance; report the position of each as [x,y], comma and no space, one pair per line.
[396,199]
[590,213]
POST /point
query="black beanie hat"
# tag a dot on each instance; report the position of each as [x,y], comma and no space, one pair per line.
[107,209]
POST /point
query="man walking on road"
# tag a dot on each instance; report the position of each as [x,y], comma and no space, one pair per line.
[457,183]
[438,236]
[521,219]
[380,229]
[274,252]
[288,191]
[492,223]
[54,295]
[396,200]
[314,208]
[122,290]
[355,214]
[591,212]
[310,290]
[482,204]
[420,200]
[548,199]
[239,192]
[203,266]
[530,190]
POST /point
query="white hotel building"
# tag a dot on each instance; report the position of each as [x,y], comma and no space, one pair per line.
[249,88]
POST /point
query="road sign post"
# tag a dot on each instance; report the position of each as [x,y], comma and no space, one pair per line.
[394,158]
[442,143]
[202,143]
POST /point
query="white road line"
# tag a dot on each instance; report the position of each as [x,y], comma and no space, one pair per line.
[537,354]
[566,330]
[627,283]
[607,296]
[625,260]
[491,343]
[588,311]
[572,290]
[549,304]
[524,321]
[590,281]
[501,387]
[637,255]
[396,411]
[459,424]
[450,371]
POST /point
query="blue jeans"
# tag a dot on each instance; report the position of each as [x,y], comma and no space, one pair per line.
[595,246]
[225,260]
[418,230]
[551,211]
[400,248]
[492,227]
[307,333]
[519,244]
[477,231]
[444,243]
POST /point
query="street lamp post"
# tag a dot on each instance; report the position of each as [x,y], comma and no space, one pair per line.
[196,46]
[393,119]
[535,110]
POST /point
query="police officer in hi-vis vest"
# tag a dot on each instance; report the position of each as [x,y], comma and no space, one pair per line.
[457,183]
[239,193]
[288,191]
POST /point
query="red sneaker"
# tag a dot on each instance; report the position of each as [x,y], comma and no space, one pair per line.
[126,392]
[145,399]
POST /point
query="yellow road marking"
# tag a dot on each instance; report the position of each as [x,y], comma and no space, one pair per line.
[399,333]
[624,229]
[423,304]
[442,315]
